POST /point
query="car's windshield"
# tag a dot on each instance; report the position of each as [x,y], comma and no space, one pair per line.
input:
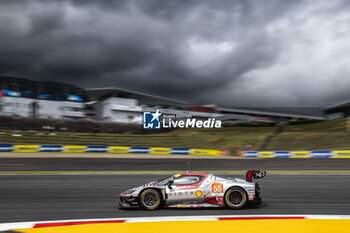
[164,181]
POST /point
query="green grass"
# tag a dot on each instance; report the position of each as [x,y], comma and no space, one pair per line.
[320,135]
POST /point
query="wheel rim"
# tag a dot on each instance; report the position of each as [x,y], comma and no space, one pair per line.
[150,199]
[236,198]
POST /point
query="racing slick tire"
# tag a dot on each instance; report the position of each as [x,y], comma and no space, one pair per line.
[235,198]
[150,199]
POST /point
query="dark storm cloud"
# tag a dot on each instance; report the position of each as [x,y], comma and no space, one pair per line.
[257,53]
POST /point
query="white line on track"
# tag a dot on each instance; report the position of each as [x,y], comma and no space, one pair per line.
[27,225]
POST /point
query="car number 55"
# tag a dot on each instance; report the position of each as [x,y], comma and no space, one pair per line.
[217,188]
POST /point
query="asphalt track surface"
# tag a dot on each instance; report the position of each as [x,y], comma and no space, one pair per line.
[53,197]
[151,164]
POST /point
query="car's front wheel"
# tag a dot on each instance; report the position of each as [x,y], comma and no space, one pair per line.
[150,199]
[235,198]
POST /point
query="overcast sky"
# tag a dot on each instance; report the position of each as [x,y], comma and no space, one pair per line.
[248,53]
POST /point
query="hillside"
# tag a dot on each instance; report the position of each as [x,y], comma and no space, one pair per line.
[313,136]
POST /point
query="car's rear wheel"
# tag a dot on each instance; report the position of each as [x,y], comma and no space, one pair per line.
[235,198]
[150,199]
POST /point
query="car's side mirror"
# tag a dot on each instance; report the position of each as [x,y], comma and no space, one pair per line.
[170,183]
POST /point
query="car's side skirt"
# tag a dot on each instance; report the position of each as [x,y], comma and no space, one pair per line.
[203,205]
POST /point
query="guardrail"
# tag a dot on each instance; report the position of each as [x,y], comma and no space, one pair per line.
[108,149]
[298,154]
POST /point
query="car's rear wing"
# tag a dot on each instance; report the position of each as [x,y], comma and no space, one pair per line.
[254,174]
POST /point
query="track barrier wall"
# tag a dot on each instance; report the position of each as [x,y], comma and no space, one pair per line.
[108,149]
[298,154]
[173,151]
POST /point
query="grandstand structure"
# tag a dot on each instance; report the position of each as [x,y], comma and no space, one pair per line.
[20,97]
[269,114]
[40,99]
[337,111]
[125,106]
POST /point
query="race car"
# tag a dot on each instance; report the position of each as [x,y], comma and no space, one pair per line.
[194,190]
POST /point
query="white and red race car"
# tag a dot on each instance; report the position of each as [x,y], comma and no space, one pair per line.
[194,190]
